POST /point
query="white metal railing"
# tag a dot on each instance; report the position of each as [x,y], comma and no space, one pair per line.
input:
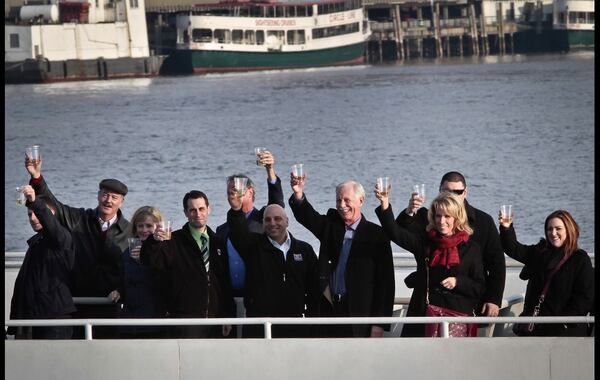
[269,322]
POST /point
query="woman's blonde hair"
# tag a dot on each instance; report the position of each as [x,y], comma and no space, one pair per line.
[452,205]
[142,213]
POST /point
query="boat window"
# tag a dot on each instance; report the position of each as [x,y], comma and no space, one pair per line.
[237,35]
[561,17]
[291,11]
[279,11]
[14,40]
[301,11]
[295,37]
[202,35]
[249,38]
[223,36]
[132,3]
[280,34]
[270,11]
[590,17]
[335,30]
[572,17]
[260,37]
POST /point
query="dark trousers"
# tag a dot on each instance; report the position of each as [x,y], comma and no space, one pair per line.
[97,311]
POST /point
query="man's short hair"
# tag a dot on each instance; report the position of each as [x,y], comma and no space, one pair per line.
[194,194]
[249,183]
[453,177]
[359,190]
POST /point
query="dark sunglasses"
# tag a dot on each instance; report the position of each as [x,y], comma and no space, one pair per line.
[457,191]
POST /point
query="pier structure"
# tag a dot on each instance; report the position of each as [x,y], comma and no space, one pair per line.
[404,29]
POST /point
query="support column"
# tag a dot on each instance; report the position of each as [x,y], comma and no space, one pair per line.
[437,32]
[484,35]
[399,32]
[460,45]
[473,22]
[500,23]
[380,47]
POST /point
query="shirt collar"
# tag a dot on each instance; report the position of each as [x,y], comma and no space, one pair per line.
[286,243]
[103,223]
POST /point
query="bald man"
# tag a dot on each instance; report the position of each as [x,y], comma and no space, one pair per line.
[282,274]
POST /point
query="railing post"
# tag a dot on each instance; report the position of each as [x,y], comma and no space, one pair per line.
[268,330]
[445,328]
[88,330]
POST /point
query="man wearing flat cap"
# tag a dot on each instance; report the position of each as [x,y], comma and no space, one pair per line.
[99,237]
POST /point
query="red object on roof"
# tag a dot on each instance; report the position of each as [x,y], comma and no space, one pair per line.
[71,11]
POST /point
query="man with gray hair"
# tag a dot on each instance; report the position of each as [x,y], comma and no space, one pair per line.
[356,271]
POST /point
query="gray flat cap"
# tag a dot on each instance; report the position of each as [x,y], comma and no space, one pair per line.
[113,185]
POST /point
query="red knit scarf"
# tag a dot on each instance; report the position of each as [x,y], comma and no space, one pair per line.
[444,249]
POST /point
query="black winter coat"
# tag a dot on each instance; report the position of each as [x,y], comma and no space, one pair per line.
[485,234]
[97,268]
[470,279]
[369,273]
[42,286]
[194,293]
[571,290]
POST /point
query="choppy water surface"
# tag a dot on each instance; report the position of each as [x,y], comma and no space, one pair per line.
[520,128]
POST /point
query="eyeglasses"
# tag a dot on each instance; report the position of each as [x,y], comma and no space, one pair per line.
[455,191]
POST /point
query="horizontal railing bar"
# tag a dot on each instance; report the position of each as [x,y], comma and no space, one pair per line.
[292,321]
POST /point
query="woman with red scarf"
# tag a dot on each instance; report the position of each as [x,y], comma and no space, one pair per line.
[453,260]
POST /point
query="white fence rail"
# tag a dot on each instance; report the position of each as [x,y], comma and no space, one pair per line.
[269,322]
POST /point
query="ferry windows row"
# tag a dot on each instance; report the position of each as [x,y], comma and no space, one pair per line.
[335,30]
[281,11]
[338,7]
[247,37]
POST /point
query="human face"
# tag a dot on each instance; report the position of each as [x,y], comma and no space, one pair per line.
[455,186]
[145,227]
[444,222]
[109,203]
[556,232]
[197,212]
[34,221]
[247,199]
[275,223]
[348,204]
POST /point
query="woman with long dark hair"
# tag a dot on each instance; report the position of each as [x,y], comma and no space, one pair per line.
[557,264]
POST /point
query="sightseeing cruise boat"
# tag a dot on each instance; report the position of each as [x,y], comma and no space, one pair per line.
[261,35]
[57,40]
[574,20]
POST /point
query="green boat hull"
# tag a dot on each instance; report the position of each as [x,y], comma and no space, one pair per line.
[581,39]
[207,61]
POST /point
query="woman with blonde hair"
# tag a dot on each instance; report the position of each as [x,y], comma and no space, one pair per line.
[558,269]
[142,291]
[449,263]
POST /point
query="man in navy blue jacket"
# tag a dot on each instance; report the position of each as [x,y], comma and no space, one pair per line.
[42,285]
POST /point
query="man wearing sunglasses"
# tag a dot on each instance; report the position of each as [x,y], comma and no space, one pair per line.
[485,234]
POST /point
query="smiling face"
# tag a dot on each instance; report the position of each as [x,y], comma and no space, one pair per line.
[348,204]
[145,227]
[556,233]
[444,222]
[197,212]
[109,203]
[275,223]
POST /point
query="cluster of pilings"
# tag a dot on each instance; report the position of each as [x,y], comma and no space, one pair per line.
[403,29]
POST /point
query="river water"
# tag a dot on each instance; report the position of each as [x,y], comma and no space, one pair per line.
[521,128]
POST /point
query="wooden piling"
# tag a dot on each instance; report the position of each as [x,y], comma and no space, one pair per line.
[399,32]
[437,32]
[500,23]
[473,30]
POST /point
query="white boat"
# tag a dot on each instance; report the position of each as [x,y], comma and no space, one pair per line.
[260,35]
[77,40]
[574,21]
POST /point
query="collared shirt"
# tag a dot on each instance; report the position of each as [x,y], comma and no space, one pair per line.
[285,247]
[338,279]
[196,235]
[237,268]
[105,224]
[351,229]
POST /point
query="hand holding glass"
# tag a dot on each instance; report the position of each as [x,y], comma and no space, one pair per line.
[298,172]
[259,151]
[239,183]
[420,190]
[33,153]
[506,214]
[134,247]
[167,227]
[20,196]
[384,186]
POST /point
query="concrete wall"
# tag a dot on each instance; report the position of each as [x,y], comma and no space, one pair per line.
[348,359]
